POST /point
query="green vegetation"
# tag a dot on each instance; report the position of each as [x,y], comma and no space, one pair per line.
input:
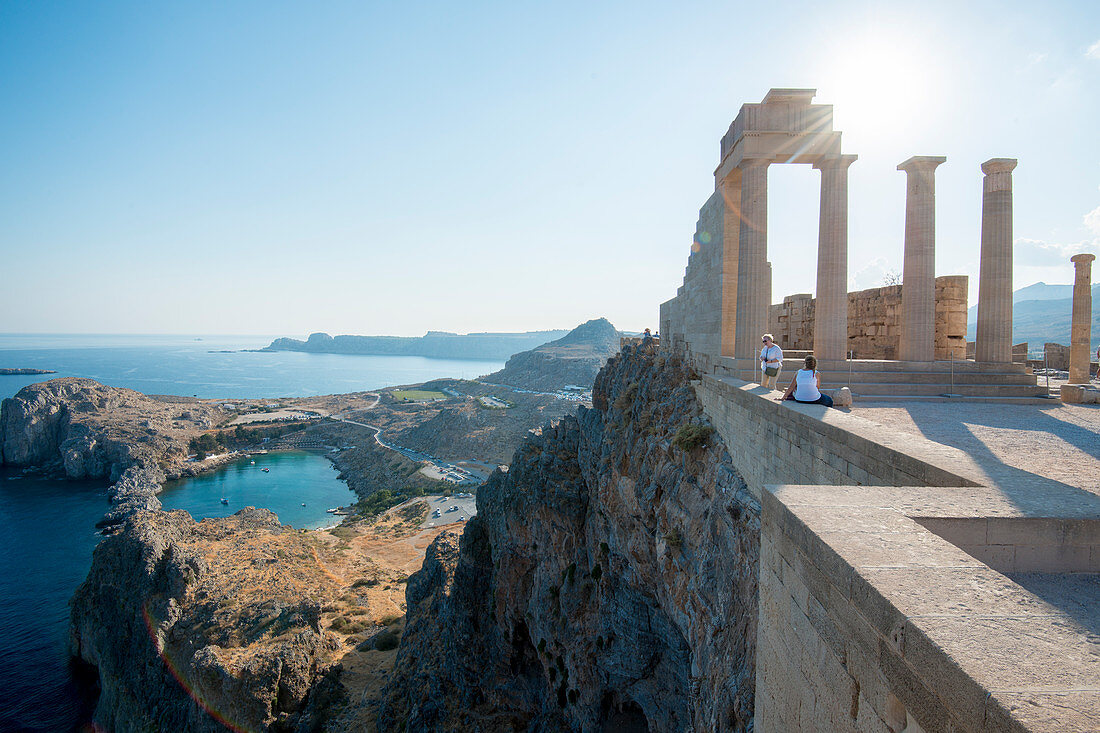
[380,501]
[204,445]
[417,395]
[385,640]
[626,398]
[597,572]
[673,538]
[690,437]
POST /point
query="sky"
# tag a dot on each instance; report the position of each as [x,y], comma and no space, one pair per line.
[393,168]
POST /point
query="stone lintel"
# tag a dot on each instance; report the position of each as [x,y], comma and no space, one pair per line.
[922,163]
[835,161]
[1083,258]
[755,160]
[788,96]
[998,165]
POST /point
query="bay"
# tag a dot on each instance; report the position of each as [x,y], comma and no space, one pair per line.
[293,478]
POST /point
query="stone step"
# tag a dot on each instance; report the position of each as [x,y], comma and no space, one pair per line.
[934,390]
[840,377]
[870,365]
[872,399]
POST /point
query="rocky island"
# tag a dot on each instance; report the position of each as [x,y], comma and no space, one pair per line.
[435,344]
[24,372]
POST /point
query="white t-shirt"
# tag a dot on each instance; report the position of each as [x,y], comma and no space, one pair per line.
[771,353]
[805,386]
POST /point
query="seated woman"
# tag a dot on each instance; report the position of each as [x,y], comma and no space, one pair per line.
[805,387]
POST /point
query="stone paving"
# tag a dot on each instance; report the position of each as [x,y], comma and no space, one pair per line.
[1060,443]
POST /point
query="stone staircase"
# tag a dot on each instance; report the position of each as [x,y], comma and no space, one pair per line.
[872,380]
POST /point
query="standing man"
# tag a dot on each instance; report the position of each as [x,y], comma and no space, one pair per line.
[771,362]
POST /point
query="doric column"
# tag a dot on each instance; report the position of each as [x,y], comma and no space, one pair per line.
[918,277]
[831,312]
[994,337]
[752,259]
[1080,338]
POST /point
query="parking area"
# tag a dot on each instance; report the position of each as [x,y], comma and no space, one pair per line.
[455,508]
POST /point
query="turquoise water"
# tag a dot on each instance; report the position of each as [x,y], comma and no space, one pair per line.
[293,478]
[183,365]
[45,551]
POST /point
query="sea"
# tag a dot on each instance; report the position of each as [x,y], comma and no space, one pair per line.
[40,689]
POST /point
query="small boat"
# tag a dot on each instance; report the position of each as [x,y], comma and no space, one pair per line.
[252,463]
[225,501]
[266,470]
[303,503]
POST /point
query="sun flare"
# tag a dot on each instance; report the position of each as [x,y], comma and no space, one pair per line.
[881,86]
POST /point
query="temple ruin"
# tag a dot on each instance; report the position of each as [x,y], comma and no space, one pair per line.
[907,341]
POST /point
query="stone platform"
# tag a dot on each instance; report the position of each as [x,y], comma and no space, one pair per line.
[871,379]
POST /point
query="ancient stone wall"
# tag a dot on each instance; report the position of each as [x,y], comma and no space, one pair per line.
[873,320]
[1056,356]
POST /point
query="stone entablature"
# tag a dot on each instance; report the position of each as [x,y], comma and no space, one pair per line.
[874,320]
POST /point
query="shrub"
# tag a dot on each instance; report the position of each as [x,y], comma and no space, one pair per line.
[690,437]
[597,572]
[386,640]
[338,623]
[673,538]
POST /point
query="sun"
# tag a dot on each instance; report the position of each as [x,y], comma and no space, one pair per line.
[881,86]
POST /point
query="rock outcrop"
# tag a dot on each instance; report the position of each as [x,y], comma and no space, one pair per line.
[574,359]
[199,627]
[81,429]
[436,344]
[608,581]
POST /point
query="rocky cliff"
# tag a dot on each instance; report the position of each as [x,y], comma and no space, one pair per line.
[574,359]
[80,429]
[608,581]
[199,626]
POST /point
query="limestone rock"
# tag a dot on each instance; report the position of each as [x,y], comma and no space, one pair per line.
[182,645]
[608,579]
[573,359]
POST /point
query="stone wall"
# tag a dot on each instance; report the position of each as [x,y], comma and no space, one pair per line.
[1056,356]
[873,320]
[786,443]
[882,607]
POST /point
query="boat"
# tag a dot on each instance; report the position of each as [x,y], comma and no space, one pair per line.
[252,463]
[303,503]
[225,501]
[266,470]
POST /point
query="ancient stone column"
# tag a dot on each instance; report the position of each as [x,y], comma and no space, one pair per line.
[918,277]
[752,259]
[831,313]
[1081,329]
[994,337]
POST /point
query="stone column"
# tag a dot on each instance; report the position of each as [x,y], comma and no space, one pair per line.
[752,259]
[994,337]
[918,280]
[831,312]
[1081,330]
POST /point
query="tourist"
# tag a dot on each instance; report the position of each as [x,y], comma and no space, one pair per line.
[805,386]
[771,361]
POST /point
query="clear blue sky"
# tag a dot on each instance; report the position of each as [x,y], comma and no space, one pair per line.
[281,168]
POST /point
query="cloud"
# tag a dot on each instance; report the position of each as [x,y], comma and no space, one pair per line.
[1035,58]
[1092,219]
[1093,52]
[1036,253]
[871,275]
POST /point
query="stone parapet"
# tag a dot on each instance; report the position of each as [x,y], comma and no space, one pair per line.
[882,600]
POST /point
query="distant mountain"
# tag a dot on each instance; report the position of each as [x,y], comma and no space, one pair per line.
[436,344]
[1042,313]
[573,359]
